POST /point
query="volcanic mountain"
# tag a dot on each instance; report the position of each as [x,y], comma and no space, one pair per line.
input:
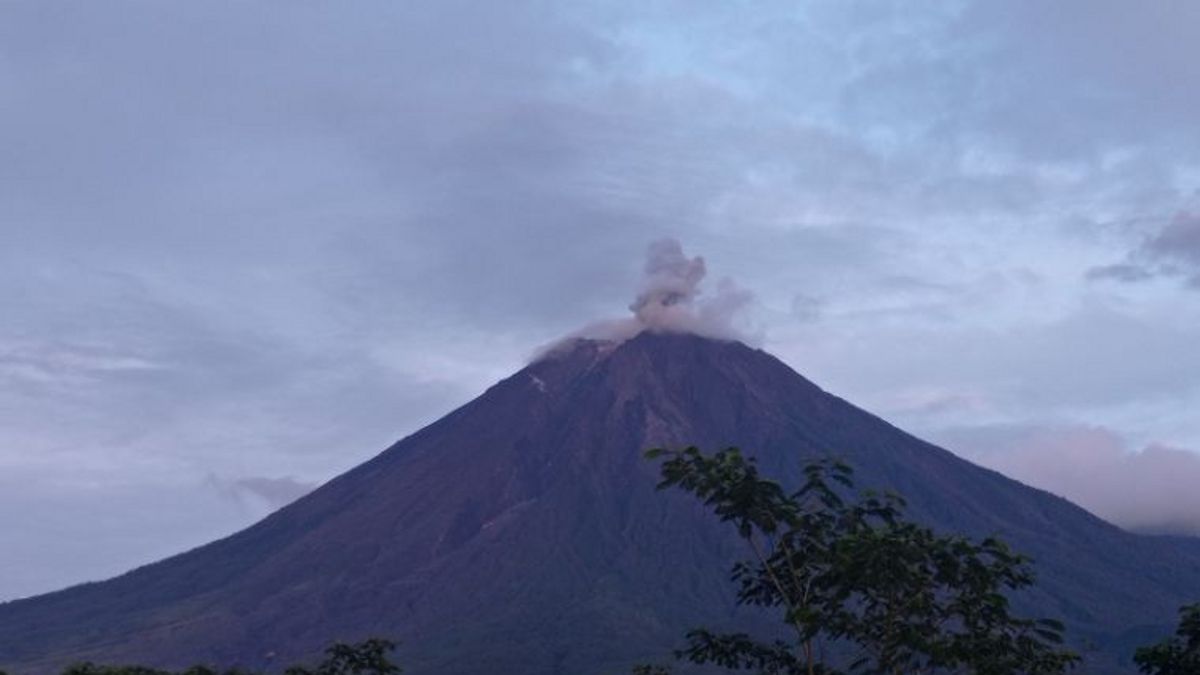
[522,533]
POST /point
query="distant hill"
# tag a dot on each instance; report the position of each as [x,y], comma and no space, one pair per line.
[522,533]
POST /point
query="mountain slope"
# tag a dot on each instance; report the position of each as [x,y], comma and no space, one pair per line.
[522,532]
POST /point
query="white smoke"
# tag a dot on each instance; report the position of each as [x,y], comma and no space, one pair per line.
[671,285]
[671,300]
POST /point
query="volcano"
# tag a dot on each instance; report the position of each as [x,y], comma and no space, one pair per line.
[522,533]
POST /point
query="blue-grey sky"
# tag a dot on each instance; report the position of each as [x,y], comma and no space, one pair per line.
[244,246]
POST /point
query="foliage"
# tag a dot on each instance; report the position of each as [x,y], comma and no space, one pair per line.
[857,578]
[1178,655]
[88,668]
[638,670]
[369,657]
[365,658]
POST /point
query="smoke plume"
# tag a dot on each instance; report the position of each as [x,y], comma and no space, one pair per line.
[671,299]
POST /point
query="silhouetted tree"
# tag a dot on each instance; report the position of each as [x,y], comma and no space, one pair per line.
[369,657]
[1178,655]
[888,595]
[89,668]
[640,670]
[365,658]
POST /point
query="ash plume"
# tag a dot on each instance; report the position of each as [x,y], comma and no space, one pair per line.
[671,285]
[671,299]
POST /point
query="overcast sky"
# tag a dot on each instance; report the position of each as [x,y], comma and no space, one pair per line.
[244,246]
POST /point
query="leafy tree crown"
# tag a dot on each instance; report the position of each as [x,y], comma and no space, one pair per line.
[850,573]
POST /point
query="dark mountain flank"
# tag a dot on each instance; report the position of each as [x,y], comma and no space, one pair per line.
[522,533]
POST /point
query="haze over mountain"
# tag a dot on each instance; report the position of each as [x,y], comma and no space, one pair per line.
[522,532]
[243,242]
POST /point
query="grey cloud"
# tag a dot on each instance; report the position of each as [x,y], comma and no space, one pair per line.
[806,307]
[271,493]
[1116,73]
[1152,489]
[1126,272]
[266,240]
[55,533]
[1099,362]
[1172,251]
[1177,248]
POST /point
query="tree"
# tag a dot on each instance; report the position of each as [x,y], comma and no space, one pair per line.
[89,668]
[365,658]
[1178,655]
[855,579]
[369,657]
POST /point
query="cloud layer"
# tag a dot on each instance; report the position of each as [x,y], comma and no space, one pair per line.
[1149,490]
[266,240]
[1172,251]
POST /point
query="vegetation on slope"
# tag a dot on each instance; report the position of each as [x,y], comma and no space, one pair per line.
[369,657]
[1178,655]
[859,586]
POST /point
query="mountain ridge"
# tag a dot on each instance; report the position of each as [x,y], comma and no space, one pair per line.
[523,530]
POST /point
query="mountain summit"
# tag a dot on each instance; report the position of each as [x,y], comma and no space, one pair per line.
[522,533]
